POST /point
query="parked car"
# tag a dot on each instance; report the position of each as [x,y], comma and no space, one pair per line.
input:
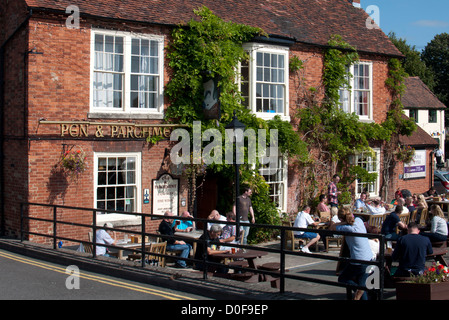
[441,183]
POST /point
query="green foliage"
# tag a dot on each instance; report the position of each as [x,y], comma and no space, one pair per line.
[336,134]
[295,64]
[413,64]
[436,57]
[210,46]
[336,60]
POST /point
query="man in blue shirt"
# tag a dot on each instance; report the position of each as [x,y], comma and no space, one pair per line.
[360,203]
[390,224]
[411,251]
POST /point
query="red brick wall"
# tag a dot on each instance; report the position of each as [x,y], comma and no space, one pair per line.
[58,90]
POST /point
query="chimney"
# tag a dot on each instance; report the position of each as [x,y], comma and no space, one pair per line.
[355,3]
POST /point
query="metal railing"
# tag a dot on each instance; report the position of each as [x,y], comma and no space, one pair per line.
[282,251]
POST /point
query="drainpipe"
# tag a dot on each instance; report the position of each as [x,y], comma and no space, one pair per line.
[431,170]
[2,121]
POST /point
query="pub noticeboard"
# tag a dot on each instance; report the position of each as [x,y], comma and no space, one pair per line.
[165,194]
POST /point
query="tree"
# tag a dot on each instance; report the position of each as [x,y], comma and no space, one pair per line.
[412,63]
[436,57]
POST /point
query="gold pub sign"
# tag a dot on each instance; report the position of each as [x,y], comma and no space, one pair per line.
[86,129]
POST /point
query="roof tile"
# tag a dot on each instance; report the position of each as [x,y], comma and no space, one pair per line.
[306,21]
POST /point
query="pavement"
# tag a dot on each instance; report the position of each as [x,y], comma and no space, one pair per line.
[191,281]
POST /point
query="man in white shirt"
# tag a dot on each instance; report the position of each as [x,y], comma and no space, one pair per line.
[103,237]
[401,201]
[303,220]
[376,208]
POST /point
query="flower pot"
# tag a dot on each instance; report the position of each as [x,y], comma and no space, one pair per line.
[422,291]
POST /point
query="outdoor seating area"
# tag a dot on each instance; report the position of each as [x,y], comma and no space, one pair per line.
[259,263]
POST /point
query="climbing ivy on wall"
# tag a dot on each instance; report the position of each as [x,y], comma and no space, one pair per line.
[333,135]
[213,47]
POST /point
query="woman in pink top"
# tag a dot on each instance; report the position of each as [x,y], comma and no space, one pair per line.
[322,207]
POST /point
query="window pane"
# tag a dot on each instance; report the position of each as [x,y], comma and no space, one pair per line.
[120,178]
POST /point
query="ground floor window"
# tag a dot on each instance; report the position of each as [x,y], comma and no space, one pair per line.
[117,181]
[277,181]
[370,162]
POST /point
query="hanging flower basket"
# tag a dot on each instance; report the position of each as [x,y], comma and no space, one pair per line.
[405,154]
[73,162]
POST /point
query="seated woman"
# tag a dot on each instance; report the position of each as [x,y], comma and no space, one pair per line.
[438,225]
[322,207]
[420,205]
[397,195]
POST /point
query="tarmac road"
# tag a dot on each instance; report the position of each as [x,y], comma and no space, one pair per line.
[24,278]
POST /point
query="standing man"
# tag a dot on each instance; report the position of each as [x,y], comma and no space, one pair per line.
[332,191]
[439,157]
[245,208]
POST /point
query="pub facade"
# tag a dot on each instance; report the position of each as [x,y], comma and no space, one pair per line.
[85,79]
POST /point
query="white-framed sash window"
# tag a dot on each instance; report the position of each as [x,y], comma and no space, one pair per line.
[126,72]
[359,99]
[117,183]
[370,161]
[264,81]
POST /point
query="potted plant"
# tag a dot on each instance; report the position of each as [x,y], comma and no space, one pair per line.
[433,284]
[73,162]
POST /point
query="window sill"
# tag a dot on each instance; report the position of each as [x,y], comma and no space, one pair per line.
[125,116]
[270,116]
[118,220]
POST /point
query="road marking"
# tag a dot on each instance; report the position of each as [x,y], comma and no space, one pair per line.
[108,281]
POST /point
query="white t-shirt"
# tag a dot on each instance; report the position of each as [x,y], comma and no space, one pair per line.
[103,238]
[222,218]
[303,219]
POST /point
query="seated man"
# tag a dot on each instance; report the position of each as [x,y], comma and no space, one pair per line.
[102,237]
[401,201]
[409,204]
[229,233]
[411,251]
[303,220]
[165,228]
[390,223]
[429,194]
[184,225]
[213,242]
[376,208]
[215,215]
[360,203]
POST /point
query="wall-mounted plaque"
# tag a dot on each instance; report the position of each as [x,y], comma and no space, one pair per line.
[165,194]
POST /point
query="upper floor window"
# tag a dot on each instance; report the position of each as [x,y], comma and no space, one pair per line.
[127,72]
[359,98]
[264,80]
[413,114]
[432,116]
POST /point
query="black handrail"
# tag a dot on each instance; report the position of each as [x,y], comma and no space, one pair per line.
[380,263]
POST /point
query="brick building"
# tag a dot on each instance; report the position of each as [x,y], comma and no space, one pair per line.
[97,84]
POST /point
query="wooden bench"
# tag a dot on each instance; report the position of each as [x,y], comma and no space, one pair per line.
[438,255]
[273,267]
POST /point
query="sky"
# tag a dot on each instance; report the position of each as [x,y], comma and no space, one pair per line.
[416,21]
